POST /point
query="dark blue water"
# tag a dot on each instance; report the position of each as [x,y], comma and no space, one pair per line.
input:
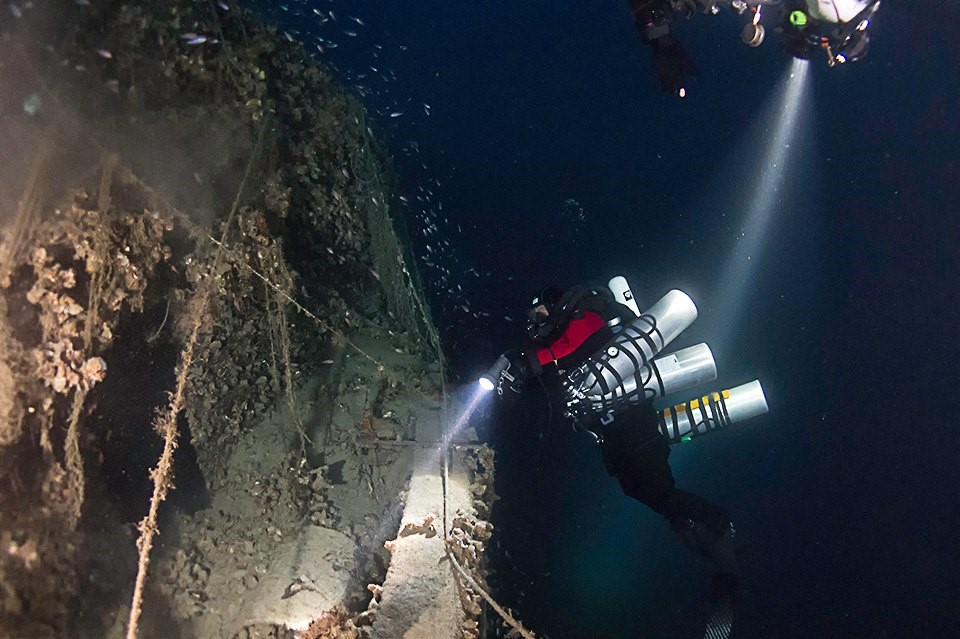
[845,494]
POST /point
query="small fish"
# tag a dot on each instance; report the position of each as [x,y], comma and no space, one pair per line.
[352,34]
[113,85]
[327,361]
[223,5]
[396,114]
[404,199]
[288,36]
[198,40]
[15,10]
[357,20]
[105,54]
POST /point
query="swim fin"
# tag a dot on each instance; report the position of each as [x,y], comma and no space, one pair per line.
[723,600]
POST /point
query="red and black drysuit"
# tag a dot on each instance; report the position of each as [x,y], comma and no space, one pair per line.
[632,447]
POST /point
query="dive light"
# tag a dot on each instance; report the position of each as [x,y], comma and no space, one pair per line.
[488,381]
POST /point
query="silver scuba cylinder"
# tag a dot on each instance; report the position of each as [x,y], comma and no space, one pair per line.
[661,376]
[705,414]
[622,293]
[677,371]
[603,382]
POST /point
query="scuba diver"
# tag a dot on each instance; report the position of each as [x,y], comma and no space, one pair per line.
[566,331]
[838,27]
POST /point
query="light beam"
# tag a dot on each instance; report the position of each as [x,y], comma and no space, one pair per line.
[764,196]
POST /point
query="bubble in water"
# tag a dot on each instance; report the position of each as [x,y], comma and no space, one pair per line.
[572,213]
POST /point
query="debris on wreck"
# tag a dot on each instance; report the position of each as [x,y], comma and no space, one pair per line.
[213,352]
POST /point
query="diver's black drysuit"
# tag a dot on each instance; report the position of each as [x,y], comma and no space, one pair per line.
[633,449]
[636,453]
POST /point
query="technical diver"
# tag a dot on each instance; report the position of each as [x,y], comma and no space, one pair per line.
[565,329]
[838,27]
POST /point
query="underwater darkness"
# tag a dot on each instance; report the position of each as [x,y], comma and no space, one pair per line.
[845,494]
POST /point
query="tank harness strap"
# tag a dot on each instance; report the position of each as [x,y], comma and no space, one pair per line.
[673,428]
[656,373]
[720,417]
[723,413]
[646,336]
[553,356]
[693,420]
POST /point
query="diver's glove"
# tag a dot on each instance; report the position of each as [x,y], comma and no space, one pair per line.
[796,45]
[512,375]
[854,48]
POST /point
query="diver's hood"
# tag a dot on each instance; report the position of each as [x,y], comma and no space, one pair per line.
[545,331]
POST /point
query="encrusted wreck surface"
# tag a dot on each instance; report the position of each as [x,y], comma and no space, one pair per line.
[215,363]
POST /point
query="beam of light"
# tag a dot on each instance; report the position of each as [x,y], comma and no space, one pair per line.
[480,393]
[438,459]
[450,434]
[764,197]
